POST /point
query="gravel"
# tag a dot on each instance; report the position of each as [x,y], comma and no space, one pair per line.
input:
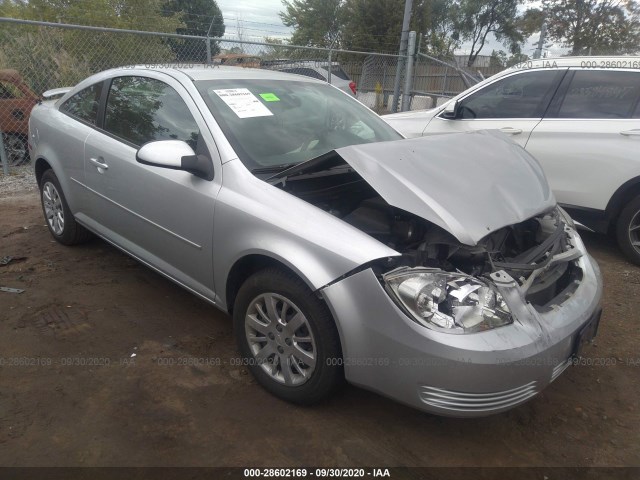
[20,180]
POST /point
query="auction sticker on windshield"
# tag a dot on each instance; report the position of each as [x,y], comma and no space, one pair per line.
[243,103]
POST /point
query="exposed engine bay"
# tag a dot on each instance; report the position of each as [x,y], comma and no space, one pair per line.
[528,251]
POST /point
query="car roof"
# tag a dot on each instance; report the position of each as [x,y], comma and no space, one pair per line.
[579,62]
[197,72]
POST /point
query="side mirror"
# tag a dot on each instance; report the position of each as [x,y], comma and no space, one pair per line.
[451,110]
[176,155]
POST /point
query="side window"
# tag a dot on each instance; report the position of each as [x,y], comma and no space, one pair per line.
[523,95]
[84,104]
[601,94]
[141,110]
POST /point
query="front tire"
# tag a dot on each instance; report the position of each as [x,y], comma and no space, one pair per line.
[62,225]
[287,337]
[628,230]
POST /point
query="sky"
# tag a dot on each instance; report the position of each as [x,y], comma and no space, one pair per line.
[255,19]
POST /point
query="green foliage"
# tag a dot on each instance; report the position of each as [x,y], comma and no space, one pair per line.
[317,23]
[200,18]
[50,57]
[439,27]
[375,25]
[370,25]
[477,19]
[499,59]
[276,50]
[594,26]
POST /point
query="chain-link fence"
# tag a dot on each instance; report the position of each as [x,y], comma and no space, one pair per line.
[38,56]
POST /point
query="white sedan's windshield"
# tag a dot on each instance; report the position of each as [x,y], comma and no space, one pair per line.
[276,123]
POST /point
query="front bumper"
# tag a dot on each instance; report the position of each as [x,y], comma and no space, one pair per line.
[465,375]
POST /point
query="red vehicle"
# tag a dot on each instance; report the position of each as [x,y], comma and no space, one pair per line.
[16,102]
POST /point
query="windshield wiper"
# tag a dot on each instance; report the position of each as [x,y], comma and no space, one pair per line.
[273,168]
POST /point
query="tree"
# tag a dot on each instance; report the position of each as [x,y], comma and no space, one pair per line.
[202,18]
[499,59]
[372,25]
[50,57]
[477,19]
[276,50]
[316,23]
[593,26]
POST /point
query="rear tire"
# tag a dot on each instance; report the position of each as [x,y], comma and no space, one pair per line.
[61,222]
[287,337]
[628,230]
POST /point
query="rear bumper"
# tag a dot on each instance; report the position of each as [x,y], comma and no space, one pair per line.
[458,375]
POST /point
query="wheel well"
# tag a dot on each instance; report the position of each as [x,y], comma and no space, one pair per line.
[243,269]
[41,166]
[627,192]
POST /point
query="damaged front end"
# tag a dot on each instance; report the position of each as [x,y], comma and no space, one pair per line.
[453,249]
[456,288]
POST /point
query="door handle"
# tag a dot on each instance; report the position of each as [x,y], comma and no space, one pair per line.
[511,130]
[98,163]
[629,133]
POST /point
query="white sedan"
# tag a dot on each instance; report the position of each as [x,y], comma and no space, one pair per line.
[579,116]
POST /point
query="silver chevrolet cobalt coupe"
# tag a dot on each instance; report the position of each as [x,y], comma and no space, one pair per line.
[436,271]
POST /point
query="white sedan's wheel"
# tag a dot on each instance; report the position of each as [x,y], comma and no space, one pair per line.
[628,230]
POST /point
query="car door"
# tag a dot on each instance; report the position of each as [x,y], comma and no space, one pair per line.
[513,104]
[162,216]
[78,119]
[589,142]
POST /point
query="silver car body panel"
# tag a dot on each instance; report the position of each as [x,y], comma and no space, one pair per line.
[502,183]
[389,353]
[268,221]
[194,231]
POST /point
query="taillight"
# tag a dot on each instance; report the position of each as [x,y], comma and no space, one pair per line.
[352,86]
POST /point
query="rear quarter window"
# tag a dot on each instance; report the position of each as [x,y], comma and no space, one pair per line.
[84,104]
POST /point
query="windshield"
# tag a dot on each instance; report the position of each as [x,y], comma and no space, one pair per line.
[276,123]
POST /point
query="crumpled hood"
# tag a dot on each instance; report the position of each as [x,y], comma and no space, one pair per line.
[470,184]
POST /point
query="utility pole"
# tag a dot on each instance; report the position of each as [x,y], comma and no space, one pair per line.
[543,34]
[406,93]
[402,53]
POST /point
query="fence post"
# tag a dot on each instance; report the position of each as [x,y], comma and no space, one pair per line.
[444,81]
[3,155]
[408,4]
[207,41]
[329,68]
[406,93]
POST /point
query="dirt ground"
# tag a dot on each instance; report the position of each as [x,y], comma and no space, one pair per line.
[100,365]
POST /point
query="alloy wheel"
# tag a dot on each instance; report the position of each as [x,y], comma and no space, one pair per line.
[634,231]
[280,339]
[53,209]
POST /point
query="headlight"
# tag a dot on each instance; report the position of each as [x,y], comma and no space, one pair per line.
[449,302]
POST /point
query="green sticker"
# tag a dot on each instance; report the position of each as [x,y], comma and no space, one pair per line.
[269,97]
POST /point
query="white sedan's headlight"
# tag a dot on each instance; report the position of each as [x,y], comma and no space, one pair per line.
[449,302]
